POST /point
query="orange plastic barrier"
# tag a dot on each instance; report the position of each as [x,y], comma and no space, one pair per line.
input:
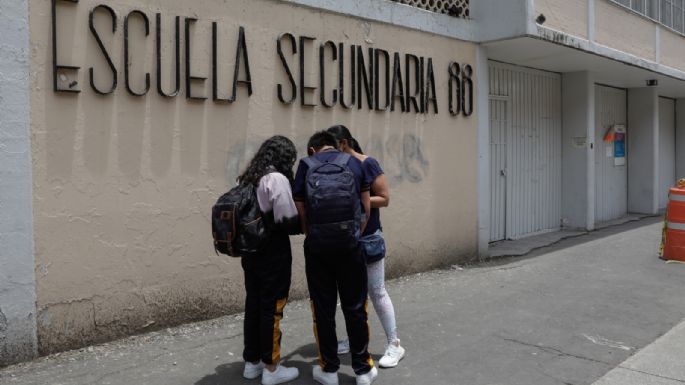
[674,237]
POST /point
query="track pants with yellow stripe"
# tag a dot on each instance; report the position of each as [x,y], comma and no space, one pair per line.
[329,274]
[267,283]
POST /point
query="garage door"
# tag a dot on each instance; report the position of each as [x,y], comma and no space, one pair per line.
[525,156]
[611,179]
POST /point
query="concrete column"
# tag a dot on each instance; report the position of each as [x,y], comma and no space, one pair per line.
[643,150]
[577,150]
[483,113]
[591,20]
[680,138]
[17,281]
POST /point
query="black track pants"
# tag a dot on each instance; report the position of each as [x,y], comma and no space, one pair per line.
[267,283]
[330,274]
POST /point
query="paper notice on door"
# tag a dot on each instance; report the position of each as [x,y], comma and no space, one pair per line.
[609,151]
[579,141]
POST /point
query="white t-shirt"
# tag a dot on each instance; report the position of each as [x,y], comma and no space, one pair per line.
[275,194]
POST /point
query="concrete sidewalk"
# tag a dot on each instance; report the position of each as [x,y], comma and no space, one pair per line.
[565,314]
[660,363]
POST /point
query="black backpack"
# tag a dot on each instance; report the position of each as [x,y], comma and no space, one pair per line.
[238,225]
[332,204]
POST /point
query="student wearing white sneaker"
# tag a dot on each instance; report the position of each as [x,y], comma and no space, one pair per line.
[330,194]
[267,274]
[375,264]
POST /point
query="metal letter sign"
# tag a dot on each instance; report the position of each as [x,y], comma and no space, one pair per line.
[381,77]
[56,68]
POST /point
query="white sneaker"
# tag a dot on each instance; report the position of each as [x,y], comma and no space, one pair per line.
[279,376]
[344,346]
[367,378]
[253,371]
[324,378]
[393,354]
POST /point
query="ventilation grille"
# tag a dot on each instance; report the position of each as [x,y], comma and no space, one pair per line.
[456,8]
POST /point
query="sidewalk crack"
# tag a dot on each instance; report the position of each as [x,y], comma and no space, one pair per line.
[555,351]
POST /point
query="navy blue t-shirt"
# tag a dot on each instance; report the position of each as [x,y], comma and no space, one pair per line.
[299,186]
[372,169]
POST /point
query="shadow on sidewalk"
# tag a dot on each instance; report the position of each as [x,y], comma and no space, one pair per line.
[302,358]
[572,241]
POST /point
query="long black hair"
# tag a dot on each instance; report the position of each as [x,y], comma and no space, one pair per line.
[277,152]
[355,146]
[341,132]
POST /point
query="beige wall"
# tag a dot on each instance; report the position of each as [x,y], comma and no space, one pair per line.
[672,52]
[123,185]
[622,30]
[569,16]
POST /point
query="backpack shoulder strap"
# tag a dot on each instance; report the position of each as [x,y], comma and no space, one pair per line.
[341,159]
[311,162]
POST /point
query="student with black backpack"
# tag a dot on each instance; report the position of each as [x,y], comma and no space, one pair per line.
[333,201]
[268,270]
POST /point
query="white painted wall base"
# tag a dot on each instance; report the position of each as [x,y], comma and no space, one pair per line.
[483,107]
[17,282]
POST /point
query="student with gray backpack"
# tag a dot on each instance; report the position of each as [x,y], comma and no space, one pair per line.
[333,202]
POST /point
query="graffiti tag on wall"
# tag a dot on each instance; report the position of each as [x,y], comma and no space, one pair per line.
[401,156]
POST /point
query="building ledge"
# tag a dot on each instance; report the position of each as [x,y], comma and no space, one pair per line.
[571,41]
[401,15]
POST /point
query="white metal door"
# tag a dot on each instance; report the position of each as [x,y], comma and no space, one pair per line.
[666,149]
[499,129]
[611,180]
[533,151]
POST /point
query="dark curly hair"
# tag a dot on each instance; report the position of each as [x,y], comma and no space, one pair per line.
[277,152]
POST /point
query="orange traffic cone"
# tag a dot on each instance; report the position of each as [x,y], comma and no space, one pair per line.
[673,236]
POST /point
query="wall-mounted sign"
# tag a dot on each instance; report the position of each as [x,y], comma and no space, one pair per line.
[579,141]
[367,77]
[619,145]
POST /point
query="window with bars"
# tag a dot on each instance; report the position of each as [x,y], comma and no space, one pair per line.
[456,8]
[670,13]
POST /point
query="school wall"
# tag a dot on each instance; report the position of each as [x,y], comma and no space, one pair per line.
[123,184]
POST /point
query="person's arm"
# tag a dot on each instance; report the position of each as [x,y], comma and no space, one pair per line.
[303,218]
[366,204]
[381,194]
[299,194]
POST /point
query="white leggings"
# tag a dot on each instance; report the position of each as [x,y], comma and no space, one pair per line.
[380,298]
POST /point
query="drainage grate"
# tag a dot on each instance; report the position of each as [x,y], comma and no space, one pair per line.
[456,8]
